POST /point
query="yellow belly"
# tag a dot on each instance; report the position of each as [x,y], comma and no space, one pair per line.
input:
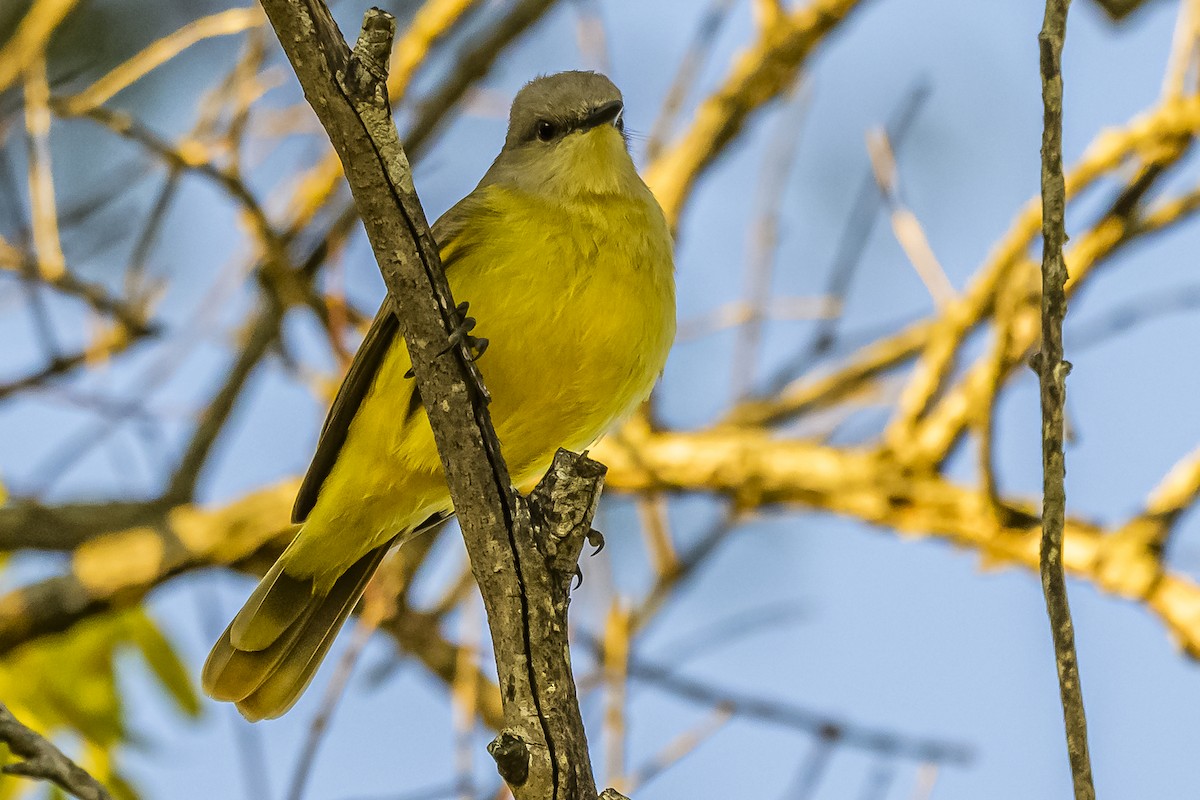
[579,317]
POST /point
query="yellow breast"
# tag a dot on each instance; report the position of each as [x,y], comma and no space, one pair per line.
[578,303]
[577,300]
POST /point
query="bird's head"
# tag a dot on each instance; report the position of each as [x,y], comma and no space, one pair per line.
[566,135]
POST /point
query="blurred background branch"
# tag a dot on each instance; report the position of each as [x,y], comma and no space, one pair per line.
[180,290]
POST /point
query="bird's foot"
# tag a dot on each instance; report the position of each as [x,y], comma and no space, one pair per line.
[461,336]
[595,539]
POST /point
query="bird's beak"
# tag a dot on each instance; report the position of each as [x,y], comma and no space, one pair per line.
[604,115]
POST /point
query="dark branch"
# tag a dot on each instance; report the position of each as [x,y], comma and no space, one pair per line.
[25,524]
[41,760]
[773,711]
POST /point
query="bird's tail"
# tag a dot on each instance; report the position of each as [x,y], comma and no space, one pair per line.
[269,653]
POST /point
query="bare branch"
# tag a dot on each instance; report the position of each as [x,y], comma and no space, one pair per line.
[41,760]
[159,52]
[1052,370]
[33,526]
[471,63]
[778,712]
[263,333]
[761,73]
[542,751]
[29,40]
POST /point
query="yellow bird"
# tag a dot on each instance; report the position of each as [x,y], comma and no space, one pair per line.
[565,258]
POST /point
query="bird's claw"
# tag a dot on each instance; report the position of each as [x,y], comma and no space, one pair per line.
[477,346]
[595,539]
[461,336]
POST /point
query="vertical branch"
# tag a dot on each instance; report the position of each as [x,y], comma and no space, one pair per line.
[29,39]
[464,697]
[617,639]
[43,209]
[777,165]
[1052,371]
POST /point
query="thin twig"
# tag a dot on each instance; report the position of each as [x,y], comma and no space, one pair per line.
[851,244]
[28,41]
[617,643]
[375,607]
[773,711]
[43,209]
[678,748]
[905,225]
[159,52]
[1184,43]
[1053,371]
[698,49]
[592,36]
[813,768]
[927,775]
[464,696]
[760,74]
[471,63]
[879,780]
[777,165]
[129,314]
[263,333]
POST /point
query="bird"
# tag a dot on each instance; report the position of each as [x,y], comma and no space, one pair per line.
[566,261]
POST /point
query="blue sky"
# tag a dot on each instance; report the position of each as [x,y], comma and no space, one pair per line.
[905,634]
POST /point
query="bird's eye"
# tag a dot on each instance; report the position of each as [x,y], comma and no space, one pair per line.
[546,130]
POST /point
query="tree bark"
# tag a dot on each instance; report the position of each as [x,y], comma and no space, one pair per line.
[1052,371]
[523,553]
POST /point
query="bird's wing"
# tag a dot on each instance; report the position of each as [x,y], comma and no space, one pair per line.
[371,353]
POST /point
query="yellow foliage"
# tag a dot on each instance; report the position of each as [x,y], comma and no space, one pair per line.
[65,687]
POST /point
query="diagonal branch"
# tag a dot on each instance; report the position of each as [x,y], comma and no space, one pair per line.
[542,751]
[41,760]
[264,330]
[759,75]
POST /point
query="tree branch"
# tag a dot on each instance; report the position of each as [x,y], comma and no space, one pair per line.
[1052,372]
[542,751]
[759,75]
[41,760]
